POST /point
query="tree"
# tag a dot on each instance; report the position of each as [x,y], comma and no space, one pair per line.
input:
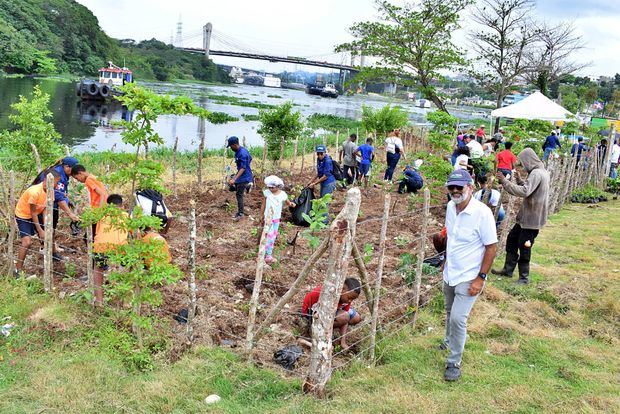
[277,124]
[501,44]
[412,43]
[381,121]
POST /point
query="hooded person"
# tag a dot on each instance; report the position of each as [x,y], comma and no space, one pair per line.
[532,215]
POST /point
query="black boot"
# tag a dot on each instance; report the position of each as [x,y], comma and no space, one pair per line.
[524,273]
[509,265]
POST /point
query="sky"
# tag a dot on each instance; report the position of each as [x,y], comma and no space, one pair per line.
[312,29]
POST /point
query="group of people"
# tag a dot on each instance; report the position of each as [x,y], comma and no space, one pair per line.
[107,235]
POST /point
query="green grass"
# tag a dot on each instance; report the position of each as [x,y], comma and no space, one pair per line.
[549,347]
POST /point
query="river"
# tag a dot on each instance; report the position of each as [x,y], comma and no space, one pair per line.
[89,126]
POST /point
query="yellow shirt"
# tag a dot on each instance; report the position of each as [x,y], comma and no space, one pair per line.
[164,245]
[33,195]
[108,236]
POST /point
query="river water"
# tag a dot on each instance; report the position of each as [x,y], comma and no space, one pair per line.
[87,125]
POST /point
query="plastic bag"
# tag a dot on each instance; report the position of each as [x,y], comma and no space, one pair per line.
[288,356]
[303,205]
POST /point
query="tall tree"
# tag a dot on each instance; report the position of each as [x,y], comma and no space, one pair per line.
[501,42]
[412,43]
[552,56]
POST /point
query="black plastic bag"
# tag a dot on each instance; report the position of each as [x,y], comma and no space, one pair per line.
[288,356]
[303,205]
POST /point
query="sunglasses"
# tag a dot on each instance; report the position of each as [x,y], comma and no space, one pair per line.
[455,187]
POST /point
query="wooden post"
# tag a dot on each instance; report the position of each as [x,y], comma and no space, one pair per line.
[48,282]
[201,147]
[420,258]
[12,232]
[224,177]
[245,145]
[359,263]
[342,232]
[174,164]
[502,195]
[292,169]
[262,170]
[337,141]
[305,271]
[89,262]
[37,159]
[191,283]
[258,280]
[281,153]
[377,295]
[610,144]
[67,151]
[303,155]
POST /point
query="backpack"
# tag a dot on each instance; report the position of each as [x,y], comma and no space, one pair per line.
[337,171]
[303,205]
[152,204]
[390,145]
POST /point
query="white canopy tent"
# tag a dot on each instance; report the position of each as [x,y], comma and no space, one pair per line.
[535,106]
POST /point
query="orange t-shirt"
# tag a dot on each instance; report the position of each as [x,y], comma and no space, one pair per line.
[164,245]
[33,195]
[91,183]
[108,236]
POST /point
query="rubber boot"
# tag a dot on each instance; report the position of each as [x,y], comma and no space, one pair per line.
[509,265]
[524,274]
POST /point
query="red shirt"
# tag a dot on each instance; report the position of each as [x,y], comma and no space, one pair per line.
[505,159]
[480,132]
[313,297]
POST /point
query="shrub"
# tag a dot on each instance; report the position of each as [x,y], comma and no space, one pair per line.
[277,124]
[381,121]
[442,121]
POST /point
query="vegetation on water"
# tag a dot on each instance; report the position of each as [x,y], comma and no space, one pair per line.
[238,101]
[63,36]
[547,347]
[332,123]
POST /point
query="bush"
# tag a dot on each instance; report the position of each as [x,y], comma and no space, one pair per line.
[381,121]
[589,195]
[442,121]
[277,124]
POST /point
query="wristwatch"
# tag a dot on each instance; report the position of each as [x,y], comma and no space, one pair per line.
[482,276]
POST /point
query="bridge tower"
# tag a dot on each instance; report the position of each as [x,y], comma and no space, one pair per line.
[207,29]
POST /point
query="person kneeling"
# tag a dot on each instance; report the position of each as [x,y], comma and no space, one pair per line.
[345,314]
[411,182]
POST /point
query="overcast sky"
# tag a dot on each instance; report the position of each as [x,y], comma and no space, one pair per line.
[312,29]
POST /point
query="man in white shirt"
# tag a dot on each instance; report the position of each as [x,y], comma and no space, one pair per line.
[614,160]
[475,148]
[471,246]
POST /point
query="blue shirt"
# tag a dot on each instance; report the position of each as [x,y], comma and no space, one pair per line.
[366,151]
[243,159]
[581,148]
[552,142]
[61,191]
[414,176]
[324,167]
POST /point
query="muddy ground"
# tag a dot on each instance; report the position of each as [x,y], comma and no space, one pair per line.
[226,265]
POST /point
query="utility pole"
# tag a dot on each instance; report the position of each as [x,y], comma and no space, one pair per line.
[207,29]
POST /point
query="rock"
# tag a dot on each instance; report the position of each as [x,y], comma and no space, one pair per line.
[61,295]
[32,277]
[212,399]
[227,342]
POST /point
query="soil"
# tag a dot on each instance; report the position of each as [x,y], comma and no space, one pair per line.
[226,265]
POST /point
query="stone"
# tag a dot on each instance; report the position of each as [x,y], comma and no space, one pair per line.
[212,399]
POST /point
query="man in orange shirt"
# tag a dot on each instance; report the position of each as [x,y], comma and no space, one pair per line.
[159,244]
[96,189]
[107,237]
[29,217]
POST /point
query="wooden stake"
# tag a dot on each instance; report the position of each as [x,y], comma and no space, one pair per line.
[67,152]
[89,262]
[201,147]
[48,282]
[37,158]
[174,164]
[258,279]
[262,171]
[245,145]
[281,153]
[292,169]
[295,287]
[377,295]
[303,155]
[191,310]
[12,232]
[361,268]
[342,231]
[420,258]
[337,141]
[224,177]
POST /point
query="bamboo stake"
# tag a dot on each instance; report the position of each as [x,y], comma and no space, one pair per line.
[48,282]
[295,287]
[258,279]
[420,258]
[342,232]
[37,158]
[174,165]
[12,232]
[359,263]
[191,311]
[377,295]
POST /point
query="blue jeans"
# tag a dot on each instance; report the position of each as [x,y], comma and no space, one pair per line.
[327,188]
[613,172]
[392,161]
[500,216]
[507,173]
[548,152]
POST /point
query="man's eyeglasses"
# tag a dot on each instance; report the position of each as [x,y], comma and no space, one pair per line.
[455,187]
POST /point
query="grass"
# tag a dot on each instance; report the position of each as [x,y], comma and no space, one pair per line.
[547,347]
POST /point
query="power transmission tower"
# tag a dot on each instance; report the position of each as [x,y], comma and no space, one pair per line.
[179,39]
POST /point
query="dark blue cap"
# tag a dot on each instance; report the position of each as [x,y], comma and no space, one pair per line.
[321,148]
[460,178]
[232,141]
[70,162]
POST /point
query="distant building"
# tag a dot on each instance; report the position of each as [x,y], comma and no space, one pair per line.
[513,98]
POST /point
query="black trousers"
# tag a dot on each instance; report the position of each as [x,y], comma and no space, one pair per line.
[409,184]
[353,173]
[515,245]
[240,190]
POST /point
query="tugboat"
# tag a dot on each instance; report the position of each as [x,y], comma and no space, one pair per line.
[329,91]
[314,89]
[109,79]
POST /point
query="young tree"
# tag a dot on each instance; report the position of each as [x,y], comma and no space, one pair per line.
[277,124]
[501,43]
[412,43]
[383,120]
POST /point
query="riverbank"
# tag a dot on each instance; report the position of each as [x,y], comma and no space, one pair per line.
[548,347]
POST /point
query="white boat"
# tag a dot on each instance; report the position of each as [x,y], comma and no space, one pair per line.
[271,81]
[329,90]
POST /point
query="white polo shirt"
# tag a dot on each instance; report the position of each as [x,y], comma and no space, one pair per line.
[468,234]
